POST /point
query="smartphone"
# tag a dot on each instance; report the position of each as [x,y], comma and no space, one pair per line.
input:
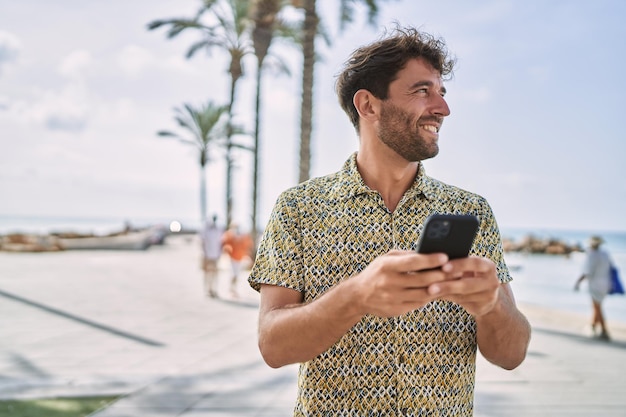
[452,234]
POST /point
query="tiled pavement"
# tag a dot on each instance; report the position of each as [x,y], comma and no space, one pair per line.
[138,324]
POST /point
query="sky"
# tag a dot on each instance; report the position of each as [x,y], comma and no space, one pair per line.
[536,101]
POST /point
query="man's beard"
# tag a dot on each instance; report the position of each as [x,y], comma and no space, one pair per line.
[398,131]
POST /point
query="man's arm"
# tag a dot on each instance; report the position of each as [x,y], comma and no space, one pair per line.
[579,281]
[503,333]
[292,332]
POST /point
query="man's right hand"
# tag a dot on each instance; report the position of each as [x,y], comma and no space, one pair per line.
[397,282]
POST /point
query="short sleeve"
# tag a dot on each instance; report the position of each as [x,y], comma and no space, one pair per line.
[278,260]
[488,242]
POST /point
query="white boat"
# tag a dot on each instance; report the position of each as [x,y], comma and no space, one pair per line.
[139,240]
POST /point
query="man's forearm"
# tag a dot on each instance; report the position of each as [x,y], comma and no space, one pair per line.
[504,333]
[300,332]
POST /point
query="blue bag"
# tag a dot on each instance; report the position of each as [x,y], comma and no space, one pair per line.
[616,284]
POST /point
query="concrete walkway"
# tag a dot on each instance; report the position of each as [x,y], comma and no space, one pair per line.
[137,324]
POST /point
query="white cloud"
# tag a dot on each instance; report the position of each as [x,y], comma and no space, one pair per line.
[76,64]
[10,47]
[182,65]
[71,108]
[134,59]
[66,109]
[118,110]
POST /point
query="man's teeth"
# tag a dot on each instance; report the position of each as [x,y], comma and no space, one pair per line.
[430,128]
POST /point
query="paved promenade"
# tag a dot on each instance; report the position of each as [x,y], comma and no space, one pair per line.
[137,324]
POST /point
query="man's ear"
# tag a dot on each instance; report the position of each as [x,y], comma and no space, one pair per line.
[367,105]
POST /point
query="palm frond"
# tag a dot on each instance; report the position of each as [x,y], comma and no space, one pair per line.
[166,133]
[176,25]
[241,146]
[195,47]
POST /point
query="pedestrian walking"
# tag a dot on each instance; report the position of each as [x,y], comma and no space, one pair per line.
[211,240]
[237,246]
[597,270]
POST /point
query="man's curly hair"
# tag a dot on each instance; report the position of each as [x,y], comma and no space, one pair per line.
[373,67]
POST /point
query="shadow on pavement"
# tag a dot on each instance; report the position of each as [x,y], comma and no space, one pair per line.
[618,344]
[81,320]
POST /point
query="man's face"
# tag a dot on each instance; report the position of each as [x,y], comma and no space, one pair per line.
[410,118]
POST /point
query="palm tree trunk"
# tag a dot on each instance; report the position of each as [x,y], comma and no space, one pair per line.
[229,175]
[257,139]
[229,156]
[229,182]
[306,110]
[203,195]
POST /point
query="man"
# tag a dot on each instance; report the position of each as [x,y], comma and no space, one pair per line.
[211,239]
[379,329]
[596,270]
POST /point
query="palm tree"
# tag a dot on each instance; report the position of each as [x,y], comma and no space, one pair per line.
[266,25]
[205,126]
[310,32]
[227,30]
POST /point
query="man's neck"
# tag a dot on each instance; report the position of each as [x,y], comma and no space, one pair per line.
[387,173]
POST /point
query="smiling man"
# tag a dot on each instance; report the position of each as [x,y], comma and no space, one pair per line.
[379,329]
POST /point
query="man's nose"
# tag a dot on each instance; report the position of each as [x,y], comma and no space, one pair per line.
[441,106]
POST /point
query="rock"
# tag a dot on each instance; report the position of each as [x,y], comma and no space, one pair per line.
[18,242]
[532,244]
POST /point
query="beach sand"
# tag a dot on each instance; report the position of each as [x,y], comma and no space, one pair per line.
[137,323]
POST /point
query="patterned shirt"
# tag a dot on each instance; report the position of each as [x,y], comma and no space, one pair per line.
[422,363]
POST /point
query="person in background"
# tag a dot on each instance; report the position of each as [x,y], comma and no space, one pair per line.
[211,240]
[596,270]
[379,329]
[237,246]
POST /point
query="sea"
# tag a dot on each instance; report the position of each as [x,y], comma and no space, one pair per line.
[548,280]
[543,280]
[95,225]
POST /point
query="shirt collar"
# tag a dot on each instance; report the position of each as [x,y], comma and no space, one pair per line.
[351,183]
